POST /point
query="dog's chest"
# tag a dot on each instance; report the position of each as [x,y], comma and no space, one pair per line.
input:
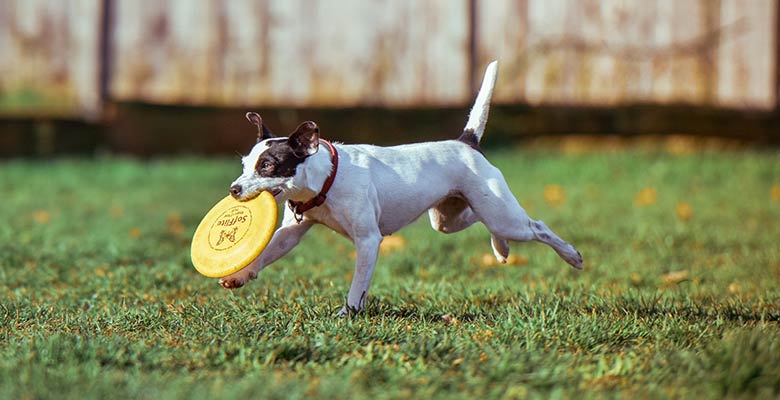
[336,223]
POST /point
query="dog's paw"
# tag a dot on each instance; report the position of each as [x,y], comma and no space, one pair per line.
[238,279]
[347,312]
[575,260]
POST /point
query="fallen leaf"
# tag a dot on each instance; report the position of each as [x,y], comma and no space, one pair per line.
[734,288]
[516,260]
[449,320]
[392,243]
[681,145]
[175,226]
[554,195]
[489,260]
[675,277]
[774,193]
[684,211]
[134,233]
[116,211]
[646,197]
[41,216]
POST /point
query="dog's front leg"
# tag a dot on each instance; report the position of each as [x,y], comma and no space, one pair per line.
[284,239]
[367,252]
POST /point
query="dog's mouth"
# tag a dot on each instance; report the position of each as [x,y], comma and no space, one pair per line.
[251,196]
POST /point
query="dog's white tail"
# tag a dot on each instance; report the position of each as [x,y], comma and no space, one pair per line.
[479,112]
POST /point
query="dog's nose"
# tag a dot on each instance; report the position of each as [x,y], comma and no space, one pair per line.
[235,190]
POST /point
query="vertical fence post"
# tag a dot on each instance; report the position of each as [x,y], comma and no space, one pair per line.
[104,51]
[777,59]
[712,25]
[473,58]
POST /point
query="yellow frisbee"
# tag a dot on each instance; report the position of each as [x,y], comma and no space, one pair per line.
[232,234]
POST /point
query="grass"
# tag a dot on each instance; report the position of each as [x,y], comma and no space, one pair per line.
[680,296]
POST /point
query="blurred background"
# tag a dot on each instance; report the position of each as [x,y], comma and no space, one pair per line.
[148,77]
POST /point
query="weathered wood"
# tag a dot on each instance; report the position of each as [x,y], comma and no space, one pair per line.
[746,60]
[604,53]
[292,52]
[777,60]
[48,58]
[384,53]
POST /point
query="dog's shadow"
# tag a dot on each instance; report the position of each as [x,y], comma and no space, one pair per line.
[379,308]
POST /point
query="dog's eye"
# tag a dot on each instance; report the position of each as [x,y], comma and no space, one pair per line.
[267,166]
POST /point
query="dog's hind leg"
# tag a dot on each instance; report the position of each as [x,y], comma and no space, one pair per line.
[497,208]
[454,214]
[566,251]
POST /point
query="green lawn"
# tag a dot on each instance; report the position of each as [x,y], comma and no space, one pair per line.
[680,295]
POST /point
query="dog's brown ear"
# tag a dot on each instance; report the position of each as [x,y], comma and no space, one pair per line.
[262,131]
[306,139]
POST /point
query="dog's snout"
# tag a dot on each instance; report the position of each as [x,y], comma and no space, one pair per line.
[236,190]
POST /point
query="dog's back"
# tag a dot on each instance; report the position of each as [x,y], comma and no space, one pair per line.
[405,181]
[412,178]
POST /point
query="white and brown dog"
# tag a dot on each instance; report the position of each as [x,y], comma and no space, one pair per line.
[366,192]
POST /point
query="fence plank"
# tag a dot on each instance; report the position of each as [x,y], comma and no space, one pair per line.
[611,52]
[398,53]
[292,53]
[747,61]
[49,58]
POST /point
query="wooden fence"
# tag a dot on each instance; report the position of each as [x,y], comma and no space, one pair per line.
[70,58]
[49,58]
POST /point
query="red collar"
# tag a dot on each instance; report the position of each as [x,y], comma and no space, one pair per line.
[297,207]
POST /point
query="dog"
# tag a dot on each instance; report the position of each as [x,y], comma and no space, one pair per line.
[366,192]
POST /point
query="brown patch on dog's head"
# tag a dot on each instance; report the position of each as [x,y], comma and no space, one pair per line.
[263,132]
[284,155]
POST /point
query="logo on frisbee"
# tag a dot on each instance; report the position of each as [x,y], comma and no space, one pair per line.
[229,228]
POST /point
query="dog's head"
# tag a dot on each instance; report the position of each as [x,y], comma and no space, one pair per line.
[273,164]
